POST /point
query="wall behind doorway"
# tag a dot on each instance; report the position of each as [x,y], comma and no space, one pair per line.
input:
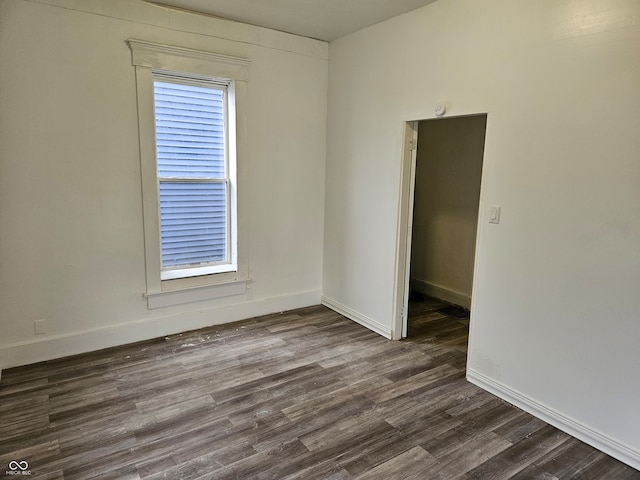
[555,300]
[445,212]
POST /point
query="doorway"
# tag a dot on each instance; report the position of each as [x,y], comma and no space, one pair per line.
[441,196]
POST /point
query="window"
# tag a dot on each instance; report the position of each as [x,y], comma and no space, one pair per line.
[190,124]
[194,186]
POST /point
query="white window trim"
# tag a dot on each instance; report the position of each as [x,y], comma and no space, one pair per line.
[146,57]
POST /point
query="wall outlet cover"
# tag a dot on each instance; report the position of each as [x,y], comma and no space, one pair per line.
[40,327]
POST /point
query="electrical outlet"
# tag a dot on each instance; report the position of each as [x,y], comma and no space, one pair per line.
[40,327]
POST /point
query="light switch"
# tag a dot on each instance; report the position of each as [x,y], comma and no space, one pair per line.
[494,214]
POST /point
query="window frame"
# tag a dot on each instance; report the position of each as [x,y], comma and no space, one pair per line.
[230,262]
[149,58]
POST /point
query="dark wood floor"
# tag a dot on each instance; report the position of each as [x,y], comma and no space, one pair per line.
[302,395]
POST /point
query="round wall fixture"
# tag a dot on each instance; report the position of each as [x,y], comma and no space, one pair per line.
[441,109]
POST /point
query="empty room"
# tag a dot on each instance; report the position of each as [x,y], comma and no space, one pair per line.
[214,255]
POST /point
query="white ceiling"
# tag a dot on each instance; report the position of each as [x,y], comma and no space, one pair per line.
[321,19]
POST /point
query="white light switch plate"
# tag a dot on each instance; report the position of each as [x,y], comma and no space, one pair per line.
[494,214]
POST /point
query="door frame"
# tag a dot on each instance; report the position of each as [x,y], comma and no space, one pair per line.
[405,229]
[405,223]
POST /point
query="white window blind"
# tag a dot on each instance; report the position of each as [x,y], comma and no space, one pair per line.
[192,169]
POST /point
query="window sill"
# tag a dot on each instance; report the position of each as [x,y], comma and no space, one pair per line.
[197,272]
[195,294]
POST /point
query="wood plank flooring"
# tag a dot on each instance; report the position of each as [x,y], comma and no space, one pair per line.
[306,394]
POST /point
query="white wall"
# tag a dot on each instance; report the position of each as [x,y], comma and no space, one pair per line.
[71,236]
[445,207]
[555,309]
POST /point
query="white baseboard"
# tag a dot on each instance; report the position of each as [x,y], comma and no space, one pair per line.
[49,348]
[371,324]
[596,439]
[443,293]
